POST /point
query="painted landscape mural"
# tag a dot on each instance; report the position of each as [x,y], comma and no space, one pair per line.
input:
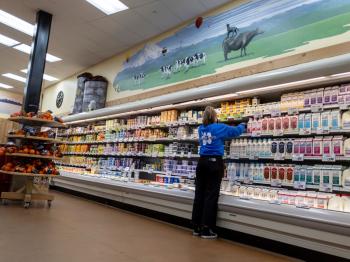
[255,30]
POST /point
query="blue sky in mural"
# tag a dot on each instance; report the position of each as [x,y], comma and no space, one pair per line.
[282,26]
[241,16]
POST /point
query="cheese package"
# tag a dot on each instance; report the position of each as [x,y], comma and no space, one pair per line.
[316,119]
[346,178]
[326,120]
[346,146]
[346,203]
[335,203]
[345,120]
[335,119]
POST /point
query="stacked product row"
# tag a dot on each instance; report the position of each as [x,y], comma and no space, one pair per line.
[284,148]
[302,199]
[324,176]
[136,148]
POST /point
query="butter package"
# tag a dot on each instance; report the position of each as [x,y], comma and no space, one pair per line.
[336,120]
[327,145]
[316,119]
[326,120]
[345,120]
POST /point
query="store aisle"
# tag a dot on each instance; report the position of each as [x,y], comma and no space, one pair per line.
[79,230]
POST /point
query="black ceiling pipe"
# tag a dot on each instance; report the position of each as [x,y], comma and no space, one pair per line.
[36,67]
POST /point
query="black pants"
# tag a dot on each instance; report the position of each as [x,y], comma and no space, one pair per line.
[209,173]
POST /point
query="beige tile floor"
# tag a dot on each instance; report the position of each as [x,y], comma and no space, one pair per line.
[75,229]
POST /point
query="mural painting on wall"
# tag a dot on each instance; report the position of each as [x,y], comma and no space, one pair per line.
[259,29]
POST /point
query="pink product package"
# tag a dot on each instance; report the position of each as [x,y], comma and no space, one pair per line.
[296,146]
[308,147]
[327,146]
[337,145]
[317,146]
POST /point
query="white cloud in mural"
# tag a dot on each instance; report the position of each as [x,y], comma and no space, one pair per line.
[149,52]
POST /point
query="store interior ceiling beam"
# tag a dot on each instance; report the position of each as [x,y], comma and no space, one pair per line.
[36,67]
[316,73]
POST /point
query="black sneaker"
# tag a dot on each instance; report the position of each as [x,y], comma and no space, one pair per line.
[207,233]
[196,231]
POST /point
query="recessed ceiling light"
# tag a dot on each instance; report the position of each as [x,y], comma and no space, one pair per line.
[16,23]
[108,6]
[27,49]
[15,77]
[5,86]
[46,77]
[7,41]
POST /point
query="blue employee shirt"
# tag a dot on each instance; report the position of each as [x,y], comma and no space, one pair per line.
[212,138]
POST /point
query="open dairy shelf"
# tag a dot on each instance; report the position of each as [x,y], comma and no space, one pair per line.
[26,174]
[43,139]
[33,156]
[32,121]
[134,155]
[290,158]
[132,140]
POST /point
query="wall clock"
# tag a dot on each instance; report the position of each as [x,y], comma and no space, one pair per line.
[59,99]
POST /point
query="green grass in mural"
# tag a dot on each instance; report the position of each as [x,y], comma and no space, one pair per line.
[261,47]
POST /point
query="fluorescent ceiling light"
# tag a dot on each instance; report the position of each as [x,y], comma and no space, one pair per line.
[16,23]
[27,49]
[7,41]
[15,77]
[46,77]
[5,86]
[108,6]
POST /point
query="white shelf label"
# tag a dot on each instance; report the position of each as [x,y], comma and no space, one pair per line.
[275,113]
[316,108]
[234,156]
[328,158]
[299,185]
[278,132]
[276,183]
[326,188]
[189,154]
[298,157]
[293,111]
[344,107]
[278,157]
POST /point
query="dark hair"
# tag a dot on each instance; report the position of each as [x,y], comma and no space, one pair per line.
[209,116]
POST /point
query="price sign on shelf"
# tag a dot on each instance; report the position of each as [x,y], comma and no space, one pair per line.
[278,157]
[293,111]
[344,106]
[316,108]
[275,113]
[297,157]
[299,185]
[276,183]
[278,132]
[258,114]
[234,155]
[326,188]
[328,158]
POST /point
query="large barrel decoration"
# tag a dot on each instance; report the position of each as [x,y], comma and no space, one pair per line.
[95,93]
[78,103]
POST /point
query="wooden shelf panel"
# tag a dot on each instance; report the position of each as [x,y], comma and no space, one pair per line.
[26,174]
[34,156]
[36,122]
[51,140]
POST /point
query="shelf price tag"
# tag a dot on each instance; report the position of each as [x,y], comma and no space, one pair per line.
[278,157]
[256,133]
[275,113]
[328,158]
[316,108]
[189,154]
[344,107]
[279,132]
[298,157]
[258,114]
[304,132]
[326,188]
[276,183]
[253,156]
[293,111]
[234,155]
[248,180]
[299,185]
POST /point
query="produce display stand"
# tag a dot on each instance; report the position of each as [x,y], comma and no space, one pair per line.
[30,191]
